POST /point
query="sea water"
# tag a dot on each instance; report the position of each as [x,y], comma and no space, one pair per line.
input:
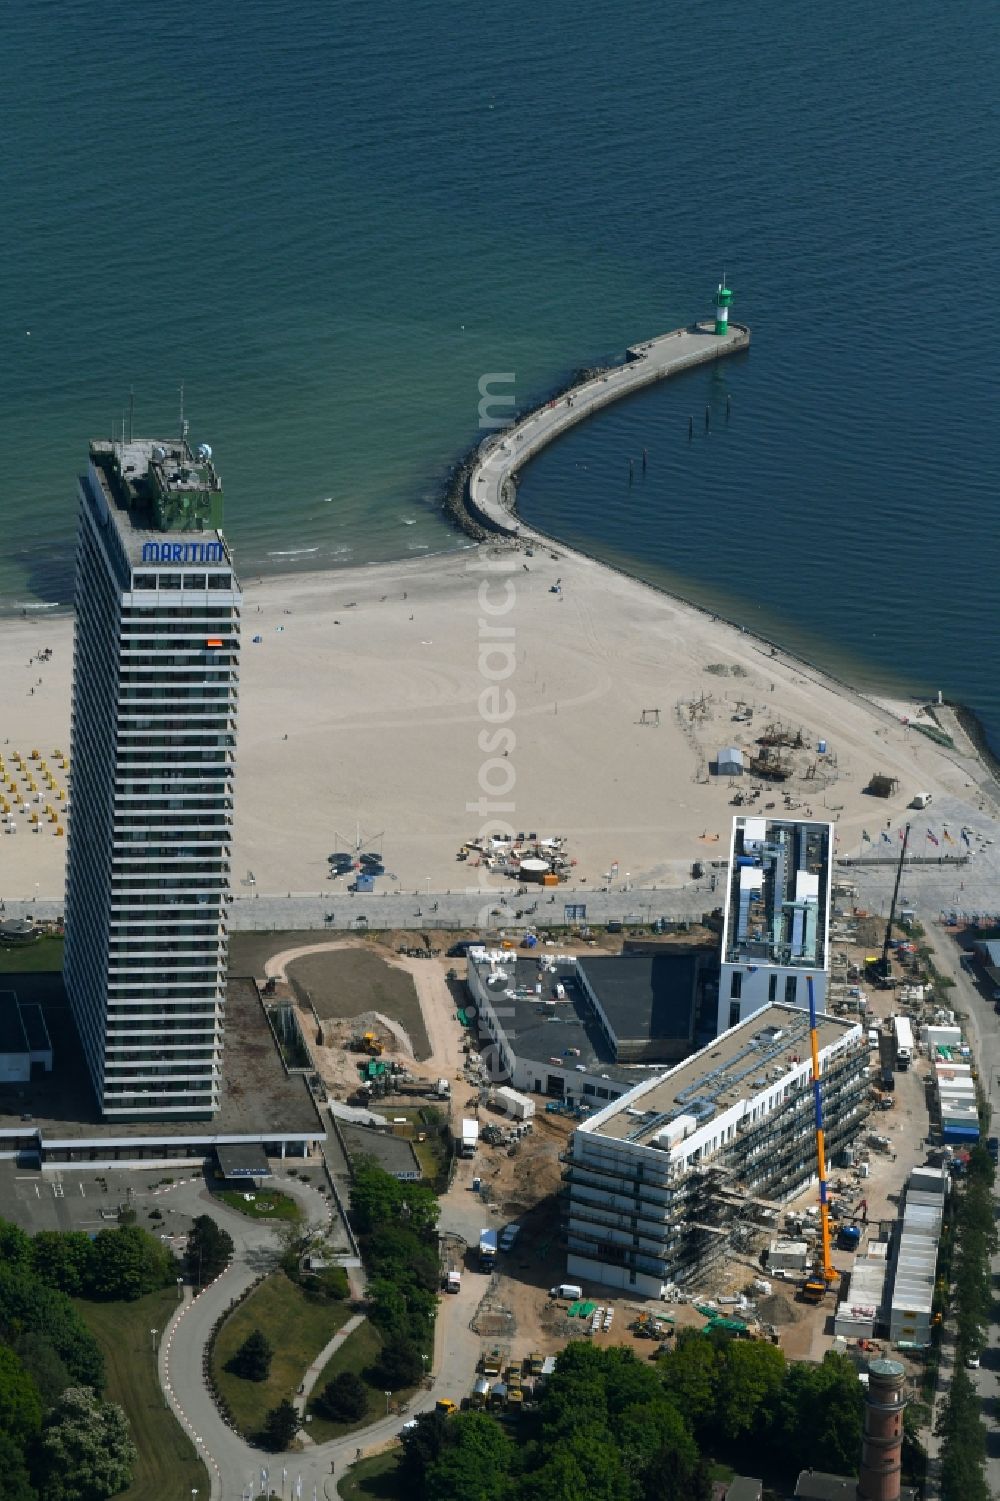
[328,222]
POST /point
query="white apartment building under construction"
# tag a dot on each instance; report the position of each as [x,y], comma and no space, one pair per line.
[657,1182]
[776,928]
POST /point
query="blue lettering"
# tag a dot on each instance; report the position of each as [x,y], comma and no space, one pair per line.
[183,552]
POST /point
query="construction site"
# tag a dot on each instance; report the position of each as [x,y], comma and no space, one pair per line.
[712,1196]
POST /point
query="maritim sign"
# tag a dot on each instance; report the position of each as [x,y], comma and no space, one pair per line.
[183,552]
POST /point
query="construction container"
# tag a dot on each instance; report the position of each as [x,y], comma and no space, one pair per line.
[550,880]
[788,1255]
[519,1106]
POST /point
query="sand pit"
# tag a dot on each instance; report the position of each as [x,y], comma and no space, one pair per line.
[410,699]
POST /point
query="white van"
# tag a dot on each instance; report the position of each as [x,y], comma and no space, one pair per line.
[922,800]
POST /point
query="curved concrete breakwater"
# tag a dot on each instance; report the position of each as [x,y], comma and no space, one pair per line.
[490,492]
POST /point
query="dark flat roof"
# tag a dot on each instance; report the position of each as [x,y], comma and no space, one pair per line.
[12,1035]
[257,1097]
[646,996]
[394,1154]
[237,1161]
[540,1030]
[35,1030]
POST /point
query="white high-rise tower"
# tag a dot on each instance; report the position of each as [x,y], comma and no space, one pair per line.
[152,756]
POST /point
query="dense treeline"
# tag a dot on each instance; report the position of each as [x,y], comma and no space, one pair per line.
[59,1439]
[396,1228]
[963,1436]
[612,1428]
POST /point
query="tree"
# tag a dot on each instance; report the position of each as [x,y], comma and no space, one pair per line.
[129,1262]
[652,1435]
[474,1462]
[378,1199]
[345,1398]
[62,1259]
[20,1404]
[209,1250]
[280,1426]
[421,1447]
[27,1307]
[85,1451]
[44,1365]
[397,1364]
[819,1415]
[15,1481]
[15,1245]
[751,1375]
[690,1374]
[252,1360]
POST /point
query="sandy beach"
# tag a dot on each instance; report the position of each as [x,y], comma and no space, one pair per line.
[419,700]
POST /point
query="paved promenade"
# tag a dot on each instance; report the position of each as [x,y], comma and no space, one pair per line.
[491,493]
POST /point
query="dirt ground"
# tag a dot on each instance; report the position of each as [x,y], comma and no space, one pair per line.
[345,982]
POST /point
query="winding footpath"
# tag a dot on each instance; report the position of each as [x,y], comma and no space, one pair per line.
[236,1468]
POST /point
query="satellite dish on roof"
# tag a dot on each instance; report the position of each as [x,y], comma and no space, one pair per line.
[204,451]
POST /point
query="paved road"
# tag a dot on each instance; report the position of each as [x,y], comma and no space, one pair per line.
[982,1031]
[234,1465]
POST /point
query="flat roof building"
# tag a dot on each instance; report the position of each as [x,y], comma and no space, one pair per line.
[152,753]
[585,1030]
[658,1179]
[911,1307]
[777,916]
[54,1120]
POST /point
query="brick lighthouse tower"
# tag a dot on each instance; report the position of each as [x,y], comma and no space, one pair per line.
[881,1450]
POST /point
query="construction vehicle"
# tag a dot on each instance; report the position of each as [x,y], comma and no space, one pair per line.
[487,1250]
[368,1043]
[480,1394]
[814,1289]
[445,1406]
[470,1137]
[849,1237]
[534,1363]
[515,1392]
[492,1363]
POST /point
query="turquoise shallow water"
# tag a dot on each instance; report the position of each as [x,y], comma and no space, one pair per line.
[329,221]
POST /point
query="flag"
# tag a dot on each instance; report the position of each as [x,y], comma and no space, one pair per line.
[933,837]
[902,836]
[965,836]
[866,836]
[947,836]
[886,837]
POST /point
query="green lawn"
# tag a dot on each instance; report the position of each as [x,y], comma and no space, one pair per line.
[267,1203]
[45,953]
[297,1327]
[372,1479]
[168,1468]
[356,1353]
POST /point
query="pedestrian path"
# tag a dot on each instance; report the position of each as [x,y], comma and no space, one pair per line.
[312,1375]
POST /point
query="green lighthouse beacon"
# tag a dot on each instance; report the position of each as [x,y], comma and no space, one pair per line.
[723,298]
